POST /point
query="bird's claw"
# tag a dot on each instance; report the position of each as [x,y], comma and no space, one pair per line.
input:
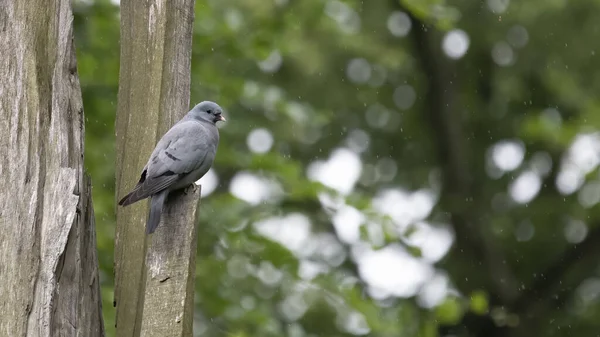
[190,189]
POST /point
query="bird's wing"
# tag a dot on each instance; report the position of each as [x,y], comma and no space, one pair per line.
[181,150]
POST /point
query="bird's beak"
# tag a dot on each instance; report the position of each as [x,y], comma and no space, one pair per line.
[221,118]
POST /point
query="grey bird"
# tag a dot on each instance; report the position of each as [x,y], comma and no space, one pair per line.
[182,156]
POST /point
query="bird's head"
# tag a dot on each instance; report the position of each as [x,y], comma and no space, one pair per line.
[207,111]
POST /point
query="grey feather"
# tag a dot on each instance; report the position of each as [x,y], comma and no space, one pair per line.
[148,188]
[156,205]
[181,157]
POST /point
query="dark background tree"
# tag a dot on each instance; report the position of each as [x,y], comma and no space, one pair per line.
[412,168]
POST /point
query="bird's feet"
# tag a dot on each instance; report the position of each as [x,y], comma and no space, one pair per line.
[190,189]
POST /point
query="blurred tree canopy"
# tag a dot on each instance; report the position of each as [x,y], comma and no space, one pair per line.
[388,168]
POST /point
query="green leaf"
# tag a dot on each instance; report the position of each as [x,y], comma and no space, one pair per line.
[479,302]
[449,312]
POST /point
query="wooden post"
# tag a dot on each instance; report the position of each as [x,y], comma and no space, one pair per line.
[48,261]
[170,262]
[154,88]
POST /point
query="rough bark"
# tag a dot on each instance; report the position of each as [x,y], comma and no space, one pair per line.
[48,260]
[154,87]
[169,300]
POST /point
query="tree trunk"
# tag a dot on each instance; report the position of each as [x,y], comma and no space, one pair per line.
[154,275]
[48,261]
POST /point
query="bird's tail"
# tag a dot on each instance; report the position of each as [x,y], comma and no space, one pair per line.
[137,194]
[157,202]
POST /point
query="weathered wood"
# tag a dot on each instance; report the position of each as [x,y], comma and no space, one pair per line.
[154,87]
[169,301]
[48,261]
[78,275]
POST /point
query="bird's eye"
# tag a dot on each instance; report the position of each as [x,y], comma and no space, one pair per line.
[209,111]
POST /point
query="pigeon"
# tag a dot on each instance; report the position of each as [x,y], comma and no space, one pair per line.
[182,156]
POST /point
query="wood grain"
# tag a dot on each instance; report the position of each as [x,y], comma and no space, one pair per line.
[154,88]
[48,261]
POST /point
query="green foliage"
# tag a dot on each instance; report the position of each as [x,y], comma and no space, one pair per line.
[449,312]
[284,66]
[479,302]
